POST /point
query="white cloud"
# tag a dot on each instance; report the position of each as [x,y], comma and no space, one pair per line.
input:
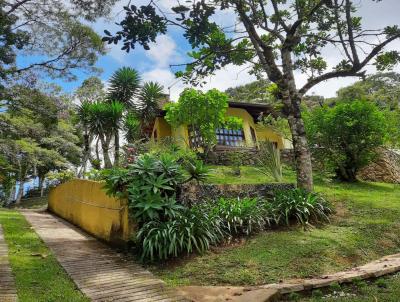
[163,51]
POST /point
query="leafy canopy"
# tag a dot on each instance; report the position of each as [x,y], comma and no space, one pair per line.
[205,112]
[346,136]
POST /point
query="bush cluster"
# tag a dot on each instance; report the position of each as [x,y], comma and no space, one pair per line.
[168,229]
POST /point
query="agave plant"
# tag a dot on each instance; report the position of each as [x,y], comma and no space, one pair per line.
[269,160]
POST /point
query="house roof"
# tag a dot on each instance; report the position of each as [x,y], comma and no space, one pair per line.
[254,109]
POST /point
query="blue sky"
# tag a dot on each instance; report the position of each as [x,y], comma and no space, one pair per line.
[172,49]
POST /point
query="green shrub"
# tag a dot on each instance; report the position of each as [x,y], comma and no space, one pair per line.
[299,205]
[190,230]
[235,160]
[150,184]
[240,216]
[196,170]
[347,135]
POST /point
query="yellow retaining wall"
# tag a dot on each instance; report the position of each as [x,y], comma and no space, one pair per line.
[85,204]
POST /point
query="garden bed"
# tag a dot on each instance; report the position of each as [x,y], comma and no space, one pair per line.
[365,227]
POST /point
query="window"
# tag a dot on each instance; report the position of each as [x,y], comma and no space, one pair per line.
[227,137]
[195,138]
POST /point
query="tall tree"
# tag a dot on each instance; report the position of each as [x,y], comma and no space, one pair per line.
[104,120]
[34,138]
[91,90]
[52,33]
[275,38]
[381,88]
[124,85]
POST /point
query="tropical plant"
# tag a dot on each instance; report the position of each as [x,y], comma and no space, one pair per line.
[148,105]
[298,204]
[346,137]
[196,170]
[240,216]
[104,120]
[276,38]
[124,85]
[190,230]
[269,160]
[204,112]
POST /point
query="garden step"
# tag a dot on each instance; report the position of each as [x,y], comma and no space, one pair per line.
[228,293]
[8,291]
[98,271]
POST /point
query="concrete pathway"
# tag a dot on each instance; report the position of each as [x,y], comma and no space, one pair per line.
[8,292]
[98,271]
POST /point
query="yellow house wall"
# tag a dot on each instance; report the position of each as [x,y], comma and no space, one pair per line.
[162,127]
[85,204]
[267,134]
[181,133]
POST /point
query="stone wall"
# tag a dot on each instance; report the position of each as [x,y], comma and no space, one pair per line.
[386,168]
[192,193]
[223,157]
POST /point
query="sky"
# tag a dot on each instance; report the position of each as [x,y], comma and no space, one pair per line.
[154,65]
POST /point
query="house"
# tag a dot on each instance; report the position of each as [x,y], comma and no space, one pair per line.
[247,137]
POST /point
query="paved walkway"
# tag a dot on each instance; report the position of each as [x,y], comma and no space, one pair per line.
[98,271]
[8,292]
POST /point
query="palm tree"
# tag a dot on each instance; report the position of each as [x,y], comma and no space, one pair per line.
[124,85]
[148,105]
[105,120]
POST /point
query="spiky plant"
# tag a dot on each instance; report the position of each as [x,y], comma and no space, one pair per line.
[124,85]
[149,98]
[269,160]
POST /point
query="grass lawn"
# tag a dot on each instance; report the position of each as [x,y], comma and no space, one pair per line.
[39,277]
[249,175]
[365,227]
[385,289]
[32,203]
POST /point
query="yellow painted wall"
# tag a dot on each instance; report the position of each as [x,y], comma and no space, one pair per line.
[85,204]
[180,133]
[162,127]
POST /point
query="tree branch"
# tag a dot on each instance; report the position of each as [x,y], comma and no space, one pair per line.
[353,72]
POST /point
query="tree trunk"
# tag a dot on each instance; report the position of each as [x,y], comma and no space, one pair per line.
[11,197]
[41,187]
[105,144]
[20,192]
[292,100]
[348,174]
[302,155]
[116,148]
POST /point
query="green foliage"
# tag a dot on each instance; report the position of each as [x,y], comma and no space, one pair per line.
[346,136]
[299,205]
[196,170]
[54,34]
[124,84]
[236,160]
[35,138]
[269,160]
[190,230]
[150,184]
[203,111]
[381,88]
[240,216]
[254,92]
[278,124]
[60,177]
